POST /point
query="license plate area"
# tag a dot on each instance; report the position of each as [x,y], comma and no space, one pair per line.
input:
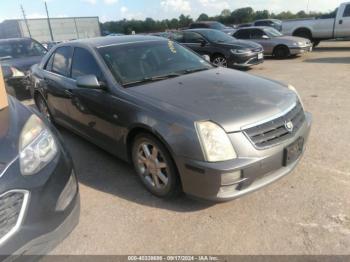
[293,151]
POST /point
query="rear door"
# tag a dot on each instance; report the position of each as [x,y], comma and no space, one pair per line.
[257,35]
[342,22]
[55,75]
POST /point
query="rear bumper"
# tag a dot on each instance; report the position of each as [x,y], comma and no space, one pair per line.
[218,181]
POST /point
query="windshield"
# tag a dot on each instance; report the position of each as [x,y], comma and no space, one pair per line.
[271,32]
[217,26]
[137,63]
[19,49]
[217,36]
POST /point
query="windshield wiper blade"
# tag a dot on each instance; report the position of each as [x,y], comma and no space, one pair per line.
[189,71]
[152,79]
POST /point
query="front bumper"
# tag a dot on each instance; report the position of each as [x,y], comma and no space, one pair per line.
[43,225]
[243,61]
[258,168]
[300,50]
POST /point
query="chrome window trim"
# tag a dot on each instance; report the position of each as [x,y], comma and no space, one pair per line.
[21,213]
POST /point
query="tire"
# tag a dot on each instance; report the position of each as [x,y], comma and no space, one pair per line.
[315,43]
[43,108]
[281,52]
[219,60]
[156,169]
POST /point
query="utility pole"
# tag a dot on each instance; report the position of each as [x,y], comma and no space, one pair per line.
[307,8]
[48,22]
[26,21]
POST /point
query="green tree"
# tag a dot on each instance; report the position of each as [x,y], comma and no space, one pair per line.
[203,17]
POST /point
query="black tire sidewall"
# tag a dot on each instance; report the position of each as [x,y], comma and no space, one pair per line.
[281,52]
[173,187]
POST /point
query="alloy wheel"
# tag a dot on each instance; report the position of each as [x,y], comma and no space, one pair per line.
[220,61]
[152,165]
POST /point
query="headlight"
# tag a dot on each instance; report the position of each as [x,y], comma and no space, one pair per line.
[37,146]
[16,72]
[240,51]
[215,143]
[292,88]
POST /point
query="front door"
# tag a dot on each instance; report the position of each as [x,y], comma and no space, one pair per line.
[342,23]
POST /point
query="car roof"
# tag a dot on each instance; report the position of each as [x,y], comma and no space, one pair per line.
[262,20]
[113,40]
[201,30]
[254,27]
[14,39]
[205,22]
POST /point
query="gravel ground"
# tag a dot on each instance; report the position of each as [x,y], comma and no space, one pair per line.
[308,212]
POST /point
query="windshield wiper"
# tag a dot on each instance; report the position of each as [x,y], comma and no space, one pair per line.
[152,79]
[189,71]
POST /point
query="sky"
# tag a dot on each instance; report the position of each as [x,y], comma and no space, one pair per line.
[157,9]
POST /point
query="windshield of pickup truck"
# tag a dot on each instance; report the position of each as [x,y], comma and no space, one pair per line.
[271,32]
[137,63]
[20,49]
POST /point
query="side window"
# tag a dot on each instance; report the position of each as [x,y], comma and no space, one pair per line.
[192,37]
[61,60]
[261,23]
[85,64]
[49,62]
[347,11]
[257,34]
[178,37]
[242,34]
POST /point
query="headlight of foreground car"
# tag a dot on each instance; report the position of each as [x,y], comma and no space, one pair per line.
[292,88]
[240,51]
[215,143]
[37,146]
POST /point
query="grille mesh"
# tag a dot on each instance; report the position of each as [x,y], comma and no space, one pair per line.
[10,208]
[275,131]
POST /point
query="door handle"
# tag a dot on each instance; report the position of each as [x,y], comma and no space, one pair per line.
[340,22]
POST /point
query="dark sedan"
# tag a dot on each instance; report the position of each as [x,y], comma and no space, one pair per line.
[213,132]
[17,55]
[212,25]
[39,198]
[222,49]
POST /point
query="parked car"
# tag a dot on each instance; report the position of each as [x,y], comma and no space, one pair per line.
[39,197]
[274,23]
[244,25]
[274,42]
[17,55]
[333,26]
[212,25]
[223,50]
[213,132]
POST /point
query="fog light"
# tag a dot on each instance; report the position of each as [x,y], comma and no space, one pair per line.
[68,193]
[231,178]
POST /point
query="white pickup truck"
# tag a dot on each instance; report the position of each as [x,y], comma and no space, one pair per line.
[332,26]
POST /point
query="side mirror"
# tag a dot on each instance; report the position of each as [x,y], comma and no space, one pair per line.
[206,58]
[265,37]
[88,81]
[203,43]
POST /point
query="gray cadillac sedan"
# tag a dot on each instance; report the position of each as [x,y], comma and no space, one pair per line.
[274,42]
[185,124]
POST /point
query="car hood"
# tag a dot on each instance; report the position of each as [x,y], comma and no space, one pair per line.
[241,44]
[23,63]
[228,97]
[12,119]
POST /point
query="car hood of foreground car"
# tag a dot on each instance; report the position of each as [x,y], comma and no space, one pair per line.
[228,97]
[12,119]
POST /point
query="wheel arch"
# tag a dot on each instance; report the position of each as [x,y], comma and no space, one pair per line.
[278,46]
[302,29]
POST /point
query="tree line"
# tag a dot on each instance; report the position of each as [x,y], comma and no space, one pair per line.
[227,17]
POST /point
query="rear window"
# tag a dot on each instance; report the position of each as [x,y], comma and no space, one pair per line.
[20,49]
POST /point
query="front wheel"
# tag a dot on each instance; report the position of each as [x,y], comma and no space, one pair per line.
[281,52]
[219,60]
[155,167]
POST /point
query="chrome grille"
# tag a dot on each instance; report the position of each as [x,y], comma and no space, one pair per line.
[275,131]
[12,206]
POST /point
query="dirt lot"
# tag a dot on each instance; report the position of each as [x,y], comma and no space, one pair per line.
[307,212]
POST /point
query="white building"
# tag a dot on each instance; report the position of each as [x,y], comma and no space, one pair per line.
[66,28]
